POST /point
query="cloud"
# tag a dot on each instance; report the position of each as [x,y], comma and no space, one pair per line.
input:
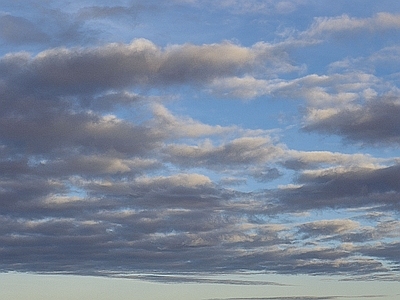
[241,151]
[143,65]
[18,30]
[355,104]
[252,6]
[72,71]
[181,221]
[287,298]
[94,165]
[103,12]
[99,177]
[386,251]
[328,227]
[374,123]
[332,90]
[306,160]
[184,180]
[103,195]
[172,126]
[254,156]
[303,298]
[344,23]
[46,133]
[333,188]
[171,279]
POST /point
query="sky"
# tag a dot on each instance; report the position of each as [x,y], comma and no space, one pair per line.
[198,149]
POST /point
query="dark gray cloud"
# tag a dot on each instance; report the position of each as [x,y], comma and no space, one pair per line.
[387,251]
[351,188]
[375,122]
[100,248]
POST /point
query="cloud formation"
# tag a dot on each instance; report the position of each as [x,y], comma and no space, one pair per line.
[66,71]
[102,174]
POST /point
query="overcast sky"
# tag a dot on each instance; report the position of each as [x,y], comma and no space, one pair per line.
[173,141]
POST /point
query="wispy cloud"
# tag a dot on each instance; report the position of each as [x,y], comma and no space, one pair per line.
[17,30]
[168,279]
[344,23]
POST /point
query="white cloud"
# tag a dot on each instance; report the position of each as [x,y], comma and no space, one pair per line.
[344,23]
[321,160]
[172,126]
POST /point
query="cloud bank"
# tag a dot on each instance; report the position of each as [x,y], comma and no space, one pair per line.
[101,176]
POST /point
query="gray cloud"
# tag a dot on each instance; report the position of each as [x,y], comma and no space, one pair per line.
[376,122]
[242,151]
[328,227]
[84,190]
[387,251]
[311,160]
[333,188]
[50,132]
[253,6]
[256,156]
[181,222]
[101,209]
[18,30]
[80,71]
[196,279]
[100,12]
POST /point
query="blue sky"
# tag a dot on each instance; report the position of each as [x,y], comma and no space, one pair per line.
[200,149]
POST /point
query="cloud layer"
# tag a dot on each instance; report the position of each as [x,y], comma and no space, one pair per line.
[102,175]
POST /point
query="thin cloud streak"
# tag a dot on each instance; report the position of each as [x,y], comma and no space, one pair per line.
[170,279]
[303,298]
